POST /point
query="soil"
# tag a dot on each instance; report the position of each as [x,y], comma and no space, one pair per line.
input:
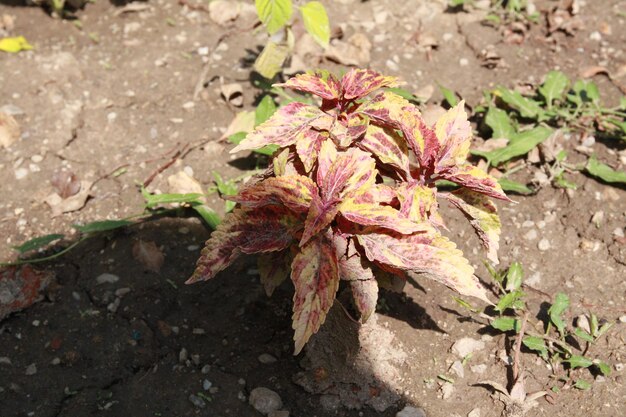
[113,103]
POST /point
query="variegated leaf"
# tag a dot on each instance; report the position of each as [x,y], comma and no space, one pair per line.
[294,191]
[388,147]
[425,253]
[280,162]
[454,134]
[417,201]
[274,268]
[308,146]
[378,193]
[320,83]
[348,129]
[353,171]
[282,128]
[327,156]
[265,229]
[315,275]
[367,214]
[365,295]
[392,111]
[475,179]
[483,215]
[358,83]
[320,215]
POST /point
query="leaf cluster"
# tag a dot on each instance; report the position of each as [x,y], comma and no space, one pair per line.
[562,346]
[276,16]
[351,195]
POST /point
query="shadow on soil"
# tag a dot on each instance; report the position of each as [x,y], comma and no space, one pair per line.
[141,343]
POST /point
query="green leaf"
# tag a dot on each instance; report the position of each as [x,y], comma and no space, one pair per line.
[537,344]
[603,367]
[553,87]
[604,172]
[520,144]
[37,242]
[209,216]
[514,186]
[316,22]
[153,200]
[583,335]
[526,107]
[449,96]
[514,276]
[226,188]
[466,305]
[264,110]
[266,150]
[505,324]
[456,3]
[582,384]
[576,361]
[603,329]
[561,303]
[508,300]
[274,14]
[405,94]
[101,226]
[500,123]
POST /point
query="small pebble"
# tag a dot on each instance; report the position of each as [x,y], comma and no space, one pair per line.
[264,400]
[206,384]
[198,330]
[31,369]
[531,234]
[595,36]
[266,358]
[5,360]
[467,345]
[107,279]
[197,401]
[55,361]
[543,245]
[464,62]
[205,369]
[183,355]
[36,323]
[21,173]
[479,369]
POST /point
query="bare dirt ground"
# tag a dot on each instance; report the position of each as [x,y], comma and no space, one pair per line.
[113,103]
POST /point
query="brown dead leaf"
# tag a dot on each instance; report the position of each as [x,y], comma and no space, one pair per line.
[355,51]
[592,71]
[7,23]
[232,93]
[65,183]
[149,255]
[492,144]
[243,122]
[9,130]
[564,17]
[224,12]
[133,7]
[183,183]
[60,205]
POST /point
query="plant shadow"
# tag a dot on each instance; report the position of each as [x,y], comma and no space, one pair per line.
[111,341]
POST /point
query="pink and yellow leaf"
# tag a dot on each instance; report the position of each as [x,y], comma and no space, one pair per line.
[454,134]
[365,295]
[319,217]
[417,201]
[315,275]
[308,146]
[282,128]
[265,229]
[475,179]
[382,216]
[483,216]
[294,191]
[320,83]
[388,147]
[274,268]
[358,83]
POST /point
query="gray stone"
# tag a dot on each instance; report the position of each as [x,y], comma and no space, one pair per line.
[197,401]
[107,279]
[264,400]
[266,358]
[409,411]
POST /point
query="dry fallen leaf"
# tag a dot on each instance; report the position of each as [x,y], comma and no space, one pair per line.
[9,130]
[224,12]
[356,51]
[232,93]
[65,183]
[183,183]
[133,7]
[243,122]
[589,72]
[149,255]
[492,144]
[60,205]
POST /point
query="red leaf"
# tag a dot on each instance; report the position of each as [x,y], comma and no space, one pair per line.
[320,215]
[351,172]
[320,83]
[315,275]
[264,229]
[383,216]
[358,83]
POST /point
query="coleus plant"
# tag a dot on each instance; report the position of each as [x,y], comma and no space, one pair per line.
[351,194]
